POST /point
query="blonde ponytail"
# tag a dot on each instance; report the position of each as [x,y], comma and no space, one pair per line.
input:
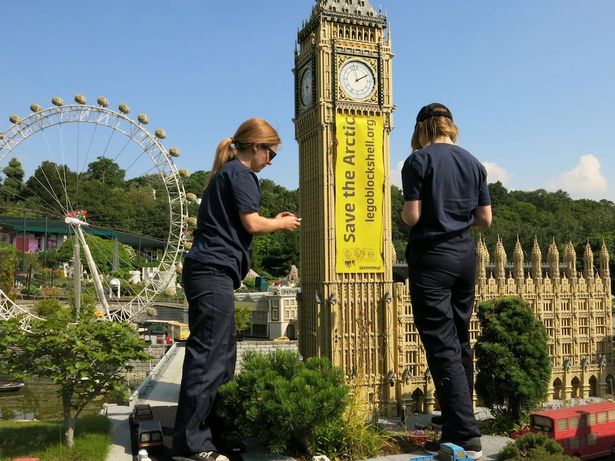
[224,153]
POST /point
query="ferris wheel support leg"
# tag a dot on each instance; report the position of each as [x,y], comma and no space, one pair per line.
[77,277]
[94,271]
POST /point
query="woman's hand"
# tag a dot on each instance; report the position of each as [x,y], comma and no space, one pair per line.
[289,221]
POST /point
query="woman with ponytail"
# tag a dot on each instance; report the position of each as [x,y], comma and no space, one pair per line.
[215,265]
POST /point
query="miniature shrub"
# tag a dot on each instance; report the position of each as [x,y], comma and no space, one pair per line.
[533,447]
[286,402]
[352,437]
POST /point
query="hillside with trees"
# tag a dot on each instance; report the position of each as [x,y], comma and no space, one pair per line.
[139,205]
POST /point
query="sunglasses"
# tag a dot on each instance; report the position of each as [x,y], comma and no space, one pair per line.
[270,152]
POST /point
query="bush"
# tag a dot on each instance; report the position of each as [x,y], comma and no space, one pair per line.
[47,307]
[285,402]
[352,437]
[533,447]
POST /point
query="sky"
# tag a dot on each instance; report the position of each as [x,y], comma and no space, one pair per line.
[531,83]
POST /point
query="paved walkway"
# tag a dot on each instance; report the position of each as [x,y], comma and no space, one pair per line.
[163,400]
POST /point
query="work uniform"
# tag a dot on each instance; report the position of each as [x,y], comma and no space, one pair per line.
[441,258]
[215,265]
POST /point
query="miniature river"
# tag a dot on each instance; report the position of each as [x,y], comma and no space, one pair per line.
[38,400]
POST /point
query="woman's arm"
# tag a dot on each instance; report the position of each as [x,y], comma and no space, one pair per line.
[256,224]
[411,212]
[482,217]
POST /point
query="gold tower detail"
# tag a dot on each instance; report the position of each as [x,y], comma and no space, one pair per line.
[343,107]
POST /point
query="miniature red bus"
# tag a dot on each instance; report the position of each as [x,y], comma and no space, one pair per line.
[585,431]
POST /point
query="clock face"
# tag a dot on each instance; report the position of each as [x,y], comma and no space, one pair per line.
[307,80]
[357,79]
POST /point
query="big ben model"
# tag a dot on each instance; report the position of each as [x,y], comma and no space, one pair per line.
[343,117]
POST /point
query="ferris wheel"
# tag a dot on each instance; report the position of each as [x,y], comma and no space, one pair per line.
[57,149]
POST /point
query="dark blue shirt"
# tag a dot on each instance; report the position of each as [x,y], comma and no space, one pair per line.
[450,183]
[220,240]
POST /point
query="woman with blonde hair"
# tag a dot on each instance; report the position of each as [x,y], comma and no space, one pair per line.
[446,194]
[215,265]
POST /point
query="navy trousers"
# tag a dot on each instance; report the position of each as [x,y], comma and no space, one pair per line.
[210,356]
[442,278]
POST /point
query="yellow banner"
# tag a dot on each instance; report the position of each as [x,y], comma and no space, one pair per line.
[359,181]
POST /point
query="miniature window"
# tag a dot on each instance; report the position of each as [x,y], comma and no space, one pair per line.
[574,423]
[592,419]
[274,314]
[611,415]
[602,417]
[562,424]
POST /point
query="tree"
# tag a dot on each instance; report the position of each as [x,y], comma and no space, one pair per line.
[50,188]
[512,358]
[8,267]
[13,181]
[85,360]
[106,171]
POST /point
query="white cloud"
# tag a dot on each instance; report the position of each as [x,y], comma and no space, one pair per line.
[584,181]
[396,174]
[496,173]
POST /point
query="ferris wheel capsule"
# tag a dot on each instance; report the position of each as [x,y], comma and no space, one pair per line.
[80,99]
[102,102]
[183,172]
[187,245]
[144,119]
[191,197]
[191,221]
[15,118]
[35,108]
[56,101]
[174,152]
[160,133]
[124,108]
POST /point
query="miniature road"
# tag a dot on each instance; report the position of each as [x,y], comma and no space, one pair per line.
[163,400]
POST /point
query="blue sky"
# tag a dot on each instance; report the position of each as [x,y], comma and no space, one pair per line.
[530,83]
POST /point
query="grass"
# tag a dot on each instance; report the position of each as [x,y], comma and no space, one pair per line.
[45,440]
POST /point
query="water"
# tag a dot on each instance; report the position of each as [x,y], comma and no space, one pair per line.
[38,400]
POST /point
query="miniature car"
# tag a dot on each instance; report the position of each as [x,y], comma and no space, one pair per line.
[149,436]
[140,412]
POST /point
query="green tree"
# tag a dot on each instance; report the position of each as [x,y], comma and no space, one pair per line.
[13,181]
[51,188]
[85,360]
[106,171]
[512,358]
[8,267]
[399,228]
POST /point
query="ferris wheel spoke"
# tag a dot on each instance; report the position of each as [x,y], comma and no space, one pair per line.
[53,156]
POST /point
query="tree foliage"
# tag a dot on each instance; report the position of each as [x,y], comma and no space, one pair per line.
[13,180]
[533,447]
[85,359]
[284,401]
[8,267]
[512,358]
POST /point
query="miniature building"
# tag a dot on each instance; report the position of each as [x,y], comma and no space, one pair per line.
[575,308]
[274,313]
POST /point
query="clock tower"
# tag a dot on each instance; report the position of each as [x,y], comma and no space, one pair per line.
[343,117]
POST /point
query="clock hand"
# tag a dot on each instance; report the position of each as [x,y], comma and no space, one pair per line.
[360,78]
